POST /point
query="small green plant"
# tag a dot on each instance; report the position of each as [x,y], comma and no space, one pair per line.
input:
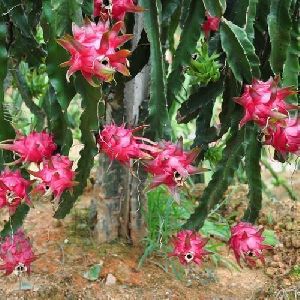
[164,217]
[204,68]
[93,273]
[295,272]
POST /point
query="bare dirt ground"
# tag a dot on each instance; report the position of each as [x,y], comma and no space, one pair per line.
[64,257]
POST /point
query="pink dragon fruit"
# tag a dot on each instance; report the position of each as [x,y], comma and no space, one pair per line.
[246,241]
[119,143]
[99,6]
[16,254]
[94,51]
[264,103]
[188,247]
[210,24]
[116,9]
[284,136]
[56,176]
[13,189]
[172,165]
[32,148]
[90,34]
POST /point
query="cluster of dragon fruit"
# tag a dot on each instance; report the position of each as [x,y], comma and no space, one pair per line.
[52,174]
[265,104]
[246,241]
[167,162]
[95,52]
[171,165]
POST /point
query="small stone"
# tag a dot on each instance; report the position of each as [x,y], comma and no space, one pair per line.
[274,264]
[110,279]
[288,242]
[259,264]
[297,227]
[189,283]
[279,246]
[289,226]
[286,282]
[271,271]
[296,241]
[276,258]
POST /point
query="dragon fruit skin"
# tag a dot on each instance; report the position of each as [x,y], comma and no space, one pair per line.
[97,8]
[32,148]
[13,189]
[56,175]
[16,253]
[172,165]
[94,51]
[210,24]
[264,101]
[285,136]
[117,9]
[246,241]
[119,143]
[188,247]
[90,34]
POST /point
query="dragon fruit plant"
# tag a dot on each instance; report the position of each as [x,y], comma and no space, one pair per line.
[189,247]
[94,51]
[55,176]
[120,143]
[115,9]
[246,241]
[284,136]
[13,190]
[211,24]
[264,102]
[172,165]
[16,254]
[167,162]
[32,148]
[97,47]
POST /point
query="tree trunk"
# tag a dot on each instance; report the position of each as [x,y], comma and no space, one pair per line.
[110,175]
[120,212]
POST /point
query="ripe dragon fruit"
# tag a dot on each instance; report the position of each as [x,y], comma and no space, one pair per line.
[119,143]
[189,247]
[172,165]
[246,241]
[94,51]
[210,24]
[264,103]
[56,176]
[13,189]
[16,254]
[285,136]
[32,148]
[116,9]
